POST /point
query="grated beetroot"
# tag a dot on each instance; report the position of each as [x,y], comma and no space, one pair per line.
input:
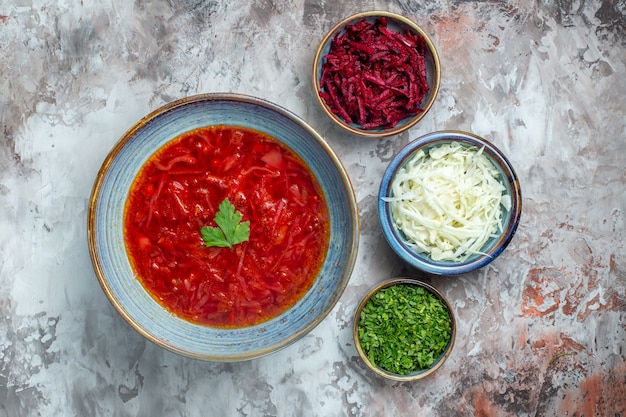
[373,76]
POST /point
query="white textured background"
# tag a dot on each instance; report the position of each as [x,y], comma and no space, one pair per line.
[542,330]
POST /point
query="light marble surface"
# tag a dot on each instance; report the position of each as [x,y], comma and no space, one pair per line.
[541,331]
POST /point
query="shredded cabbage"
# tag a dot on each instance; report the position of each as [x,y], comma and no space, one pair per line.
[447,203]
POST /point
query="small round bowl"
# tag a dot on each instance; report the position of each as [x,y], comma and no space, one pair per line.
[110,259]
[396,23]
[493,246]
[439,361]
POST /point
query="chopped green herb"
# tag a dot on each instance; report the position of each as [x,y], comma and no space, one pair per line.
[404,328]
[557,357]
[230,230]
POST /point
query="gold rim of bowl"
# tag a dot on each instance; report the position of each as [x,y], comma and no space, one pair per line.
[434,88]
[92,241]
[421,373]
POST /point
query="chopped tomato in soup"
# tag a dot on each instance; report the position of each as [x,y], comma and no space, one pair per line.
[178,191]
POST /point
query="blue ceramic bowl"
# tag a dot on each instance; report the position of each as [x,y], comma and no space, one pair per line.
[106,241]
[397,23]
[493,247]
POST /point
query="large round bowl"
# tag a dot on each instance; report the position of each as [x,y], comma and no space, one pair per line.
[395,23]
[109,256]
[493,247]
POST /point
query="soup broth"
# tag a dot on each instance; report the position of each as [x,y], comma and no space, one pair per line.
[178,192]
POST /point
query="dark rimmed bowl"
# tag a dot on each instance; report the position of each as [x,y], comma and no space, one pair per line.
[423,373]
[493,247]
[106,240]
[396,23]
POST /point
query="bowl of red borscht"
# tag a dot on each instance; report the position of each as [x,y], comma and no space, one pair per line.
[222,227]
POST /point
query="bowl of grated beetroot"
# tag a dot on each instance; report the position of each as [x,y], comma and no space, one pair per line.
[376,74]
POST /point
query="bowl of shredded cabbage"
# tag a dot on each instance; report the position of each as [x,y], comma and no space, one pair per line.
[449,203]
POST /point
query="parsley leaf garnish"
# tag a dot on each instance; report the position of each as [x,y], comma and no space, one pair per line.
[230,230]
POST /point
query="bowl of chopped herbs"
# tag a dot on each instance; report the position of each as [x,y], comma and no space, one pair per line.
[376,73]
[404,329]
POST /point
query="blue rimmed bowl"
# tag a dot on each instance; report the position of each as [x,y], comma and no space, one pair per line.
[493,247]
[106,239]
